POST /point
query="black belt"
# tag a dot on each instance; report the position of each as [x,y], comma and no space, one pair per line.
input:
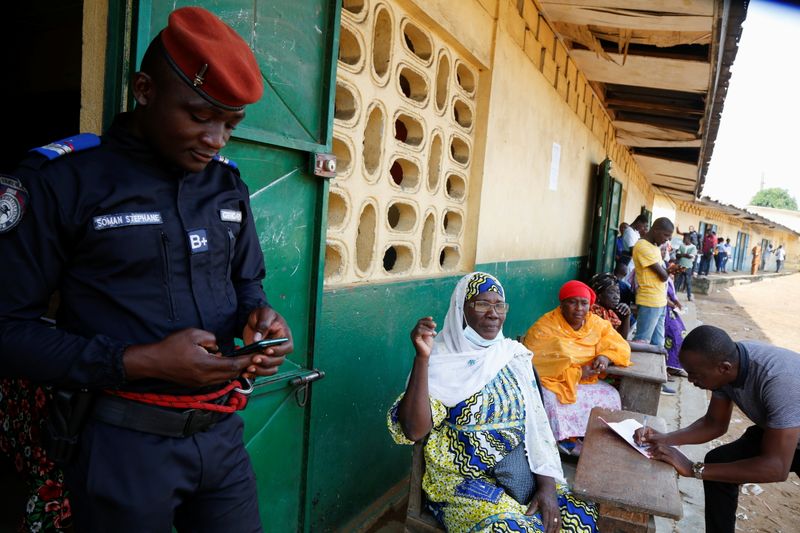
[152,418]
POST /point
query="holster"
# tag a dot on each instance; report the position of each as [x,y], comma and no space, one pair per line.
[69,411]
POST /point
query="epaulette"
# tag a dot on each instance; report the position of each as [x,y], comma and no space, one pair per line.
[76,143]
[225,161]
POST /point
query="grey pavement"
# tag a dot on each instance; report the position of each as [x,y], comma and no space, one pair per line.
[678,411]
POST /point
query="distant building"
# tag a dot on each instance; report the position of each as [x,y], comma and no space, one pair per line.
[785,217]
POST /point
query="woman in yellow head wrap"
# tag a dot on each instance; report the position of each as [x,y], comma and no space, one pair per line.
[571,350]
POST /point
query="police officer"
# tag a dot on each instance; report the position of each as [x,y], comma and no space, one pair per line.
[148,236]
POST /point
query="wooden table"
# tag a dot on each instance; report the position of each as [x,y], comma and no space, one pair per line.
[640,383]
[628,487]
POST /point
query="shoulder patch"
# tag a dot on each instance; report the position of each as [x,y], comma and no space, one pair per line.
[76,143]
[225,161]
[13,198]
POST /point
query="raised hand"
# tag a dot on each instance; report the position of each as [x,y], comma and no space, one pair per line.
[422,336]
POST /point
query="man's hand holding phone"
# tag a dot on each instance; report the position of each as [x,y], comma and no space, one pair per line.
[256,347]
[267,326]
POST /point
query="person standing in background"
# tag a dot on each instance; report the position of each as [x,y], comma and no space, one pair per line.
[728,255]
[685,256]
[780,257]
[635,231]
[709,242]
[695,239]
[651,277]
[765,253]
[619,245]
[721,255]
[756,261]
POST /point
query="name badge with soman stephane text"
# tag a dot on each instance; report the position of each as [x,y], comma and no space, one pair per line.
[119,220]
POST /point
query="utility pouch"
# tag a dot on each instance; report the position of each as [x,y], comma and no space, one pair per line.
[69,411]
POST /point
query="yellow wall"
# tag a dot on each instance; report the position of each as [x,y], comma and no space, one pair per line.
[663,206]
[520,217]
[534,104]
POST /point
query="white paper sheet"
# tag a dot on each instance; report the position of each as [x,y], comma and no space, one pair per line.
[625,430]
[555,163]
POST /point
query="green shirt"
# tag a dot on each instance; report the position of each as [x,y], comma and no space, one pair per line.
[688,249]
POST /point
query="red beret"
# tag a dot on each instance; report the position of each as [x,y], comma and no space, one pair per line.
[574,288]
[212,58]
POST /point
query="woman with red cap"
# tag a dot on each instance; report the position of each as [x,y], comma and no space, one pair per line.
[571,350]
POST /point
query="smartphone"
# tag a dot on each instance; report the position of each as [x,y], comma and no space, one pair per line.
[256,347]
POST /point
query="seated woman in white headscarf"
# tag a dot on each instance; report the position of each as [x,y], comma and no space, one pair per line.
[491,459]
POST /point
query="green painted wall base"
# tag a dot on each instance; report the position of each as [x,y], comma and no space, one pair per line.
[364,348]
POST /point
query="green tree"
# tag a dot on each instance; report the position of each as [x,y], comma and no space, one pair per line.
[774,197]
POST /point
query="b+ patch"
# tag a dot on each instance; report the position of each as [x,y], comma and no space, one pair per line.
[198,241]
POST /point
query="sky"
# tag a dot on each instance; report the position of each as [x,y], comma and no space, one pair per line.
[758,134]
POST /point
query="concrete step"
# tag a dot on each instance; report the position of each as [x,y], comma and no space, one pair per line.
[712,282]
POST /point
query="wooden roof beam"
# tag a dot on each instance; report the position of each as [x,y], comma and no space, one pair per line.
[684,155]
[677,179]
[651,94]
[689,52]
[688,124]
[632,141]
[658,15]
[658,108]
[586,35]
[652,165]
[638,134]
[639,71]
[679,193]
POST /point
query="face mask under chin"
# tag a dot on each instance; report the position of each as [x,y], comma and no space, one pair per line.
[475,338]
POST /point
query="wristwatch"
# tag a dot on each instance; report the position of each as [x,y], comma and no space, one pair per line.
[697,469]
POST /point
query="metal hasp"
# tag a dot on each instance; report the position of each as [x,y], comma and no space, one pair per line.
[301,384]
[324,166]
[306,379]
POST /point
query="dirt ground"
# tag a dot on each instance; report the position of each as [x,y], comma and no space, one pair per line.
[768,311]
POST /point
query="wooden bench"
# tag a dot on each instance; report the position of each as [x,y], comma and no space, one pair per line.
[419,519]
[628,488]
[640,383]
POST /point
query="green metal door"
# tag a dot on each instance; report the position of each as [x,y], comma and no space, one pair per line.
[294,42]
[608,195]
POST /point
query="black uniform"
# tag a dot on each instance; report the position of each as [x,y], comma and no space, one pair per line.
[137,250]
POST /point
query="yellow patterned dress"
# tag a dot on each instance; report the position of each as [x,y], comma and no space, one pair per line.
[466,442]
